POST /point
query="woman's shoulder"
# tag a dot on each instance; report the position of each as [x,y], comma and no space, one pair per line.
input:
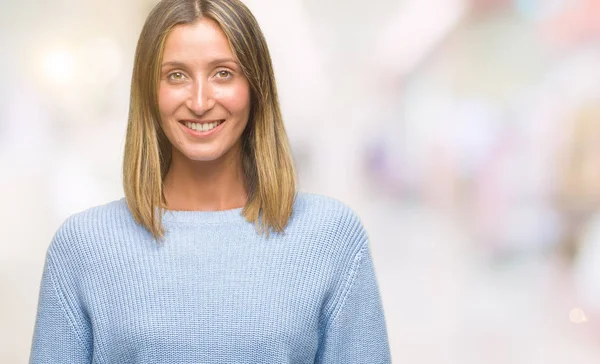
[97,216]
[322,206]
[91,224]
[329,217]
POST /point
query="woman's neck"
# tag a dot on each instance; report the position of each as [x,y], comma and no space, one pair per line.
[205,186]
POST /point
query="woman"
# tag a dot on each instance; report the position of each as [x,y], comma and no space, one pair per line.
[212,256]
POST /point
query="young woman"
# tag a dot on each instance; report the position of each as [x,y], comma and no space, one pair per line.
[212,256]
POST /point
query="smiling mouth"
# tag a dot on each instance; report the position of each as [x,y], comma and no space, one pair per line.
[202,126]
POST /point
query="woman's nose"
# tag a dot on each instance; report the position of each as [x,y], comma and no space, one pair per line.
[201,98]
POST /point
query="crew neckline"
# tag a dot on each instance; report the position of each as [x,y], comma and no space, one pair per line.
[201,217]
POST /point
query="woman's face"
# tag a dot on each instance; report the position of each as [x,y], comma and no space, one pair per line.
[203,97]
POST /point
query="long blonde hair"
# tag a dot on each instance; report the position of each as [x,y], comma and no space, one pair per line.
[266,157]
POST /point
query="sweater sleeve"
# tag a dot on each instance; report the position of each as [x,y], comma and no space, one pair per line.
[59,336]
[356,332]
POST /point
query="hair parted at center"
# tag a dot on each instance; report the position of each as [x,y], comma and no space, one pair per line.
[267,164]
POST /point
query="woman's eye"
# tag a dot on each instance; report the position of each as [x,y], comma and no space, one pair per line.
[176,76]
[224,74]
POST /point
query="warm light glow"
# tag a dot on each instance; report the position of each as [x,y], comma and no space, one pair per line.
[577,316]
[59,66]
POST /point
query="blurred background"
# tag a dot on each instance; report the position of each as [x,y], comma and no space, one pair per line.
[465,133]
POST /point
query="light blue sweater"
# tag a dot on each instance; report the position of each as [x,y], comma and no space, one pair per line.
[214,292]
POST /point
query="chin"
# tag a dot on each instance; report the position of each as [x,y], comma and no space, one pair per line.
[203,155]
[203,158]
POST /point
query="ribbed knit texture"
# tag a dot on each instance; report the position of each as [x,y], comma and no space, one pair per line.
[214,292]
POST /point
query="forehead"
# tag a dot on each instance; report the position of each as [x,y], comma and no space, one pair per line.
[199,42]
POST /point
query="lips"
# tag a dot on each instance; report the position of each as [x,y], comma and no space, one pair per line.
[203,128]
[195,121]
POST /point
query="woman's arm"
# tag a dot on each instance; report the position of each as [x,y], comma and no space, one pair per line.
[356,332]
[61,334]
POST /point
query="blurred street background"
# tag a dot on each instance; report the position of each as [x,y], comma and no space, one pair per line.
[465,133]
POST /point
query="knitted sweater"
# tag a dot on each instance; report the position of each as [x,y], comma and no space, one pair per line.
[214,292]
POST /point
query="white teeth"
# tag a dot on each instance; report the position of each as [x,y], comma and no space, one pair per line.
[202,127]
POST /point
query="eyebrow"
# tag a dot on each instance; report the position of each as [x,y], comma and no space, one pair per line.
[211,63]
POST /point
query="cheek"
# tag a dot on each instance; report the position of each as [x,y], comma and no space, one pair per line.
[168,100]
[235,99]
